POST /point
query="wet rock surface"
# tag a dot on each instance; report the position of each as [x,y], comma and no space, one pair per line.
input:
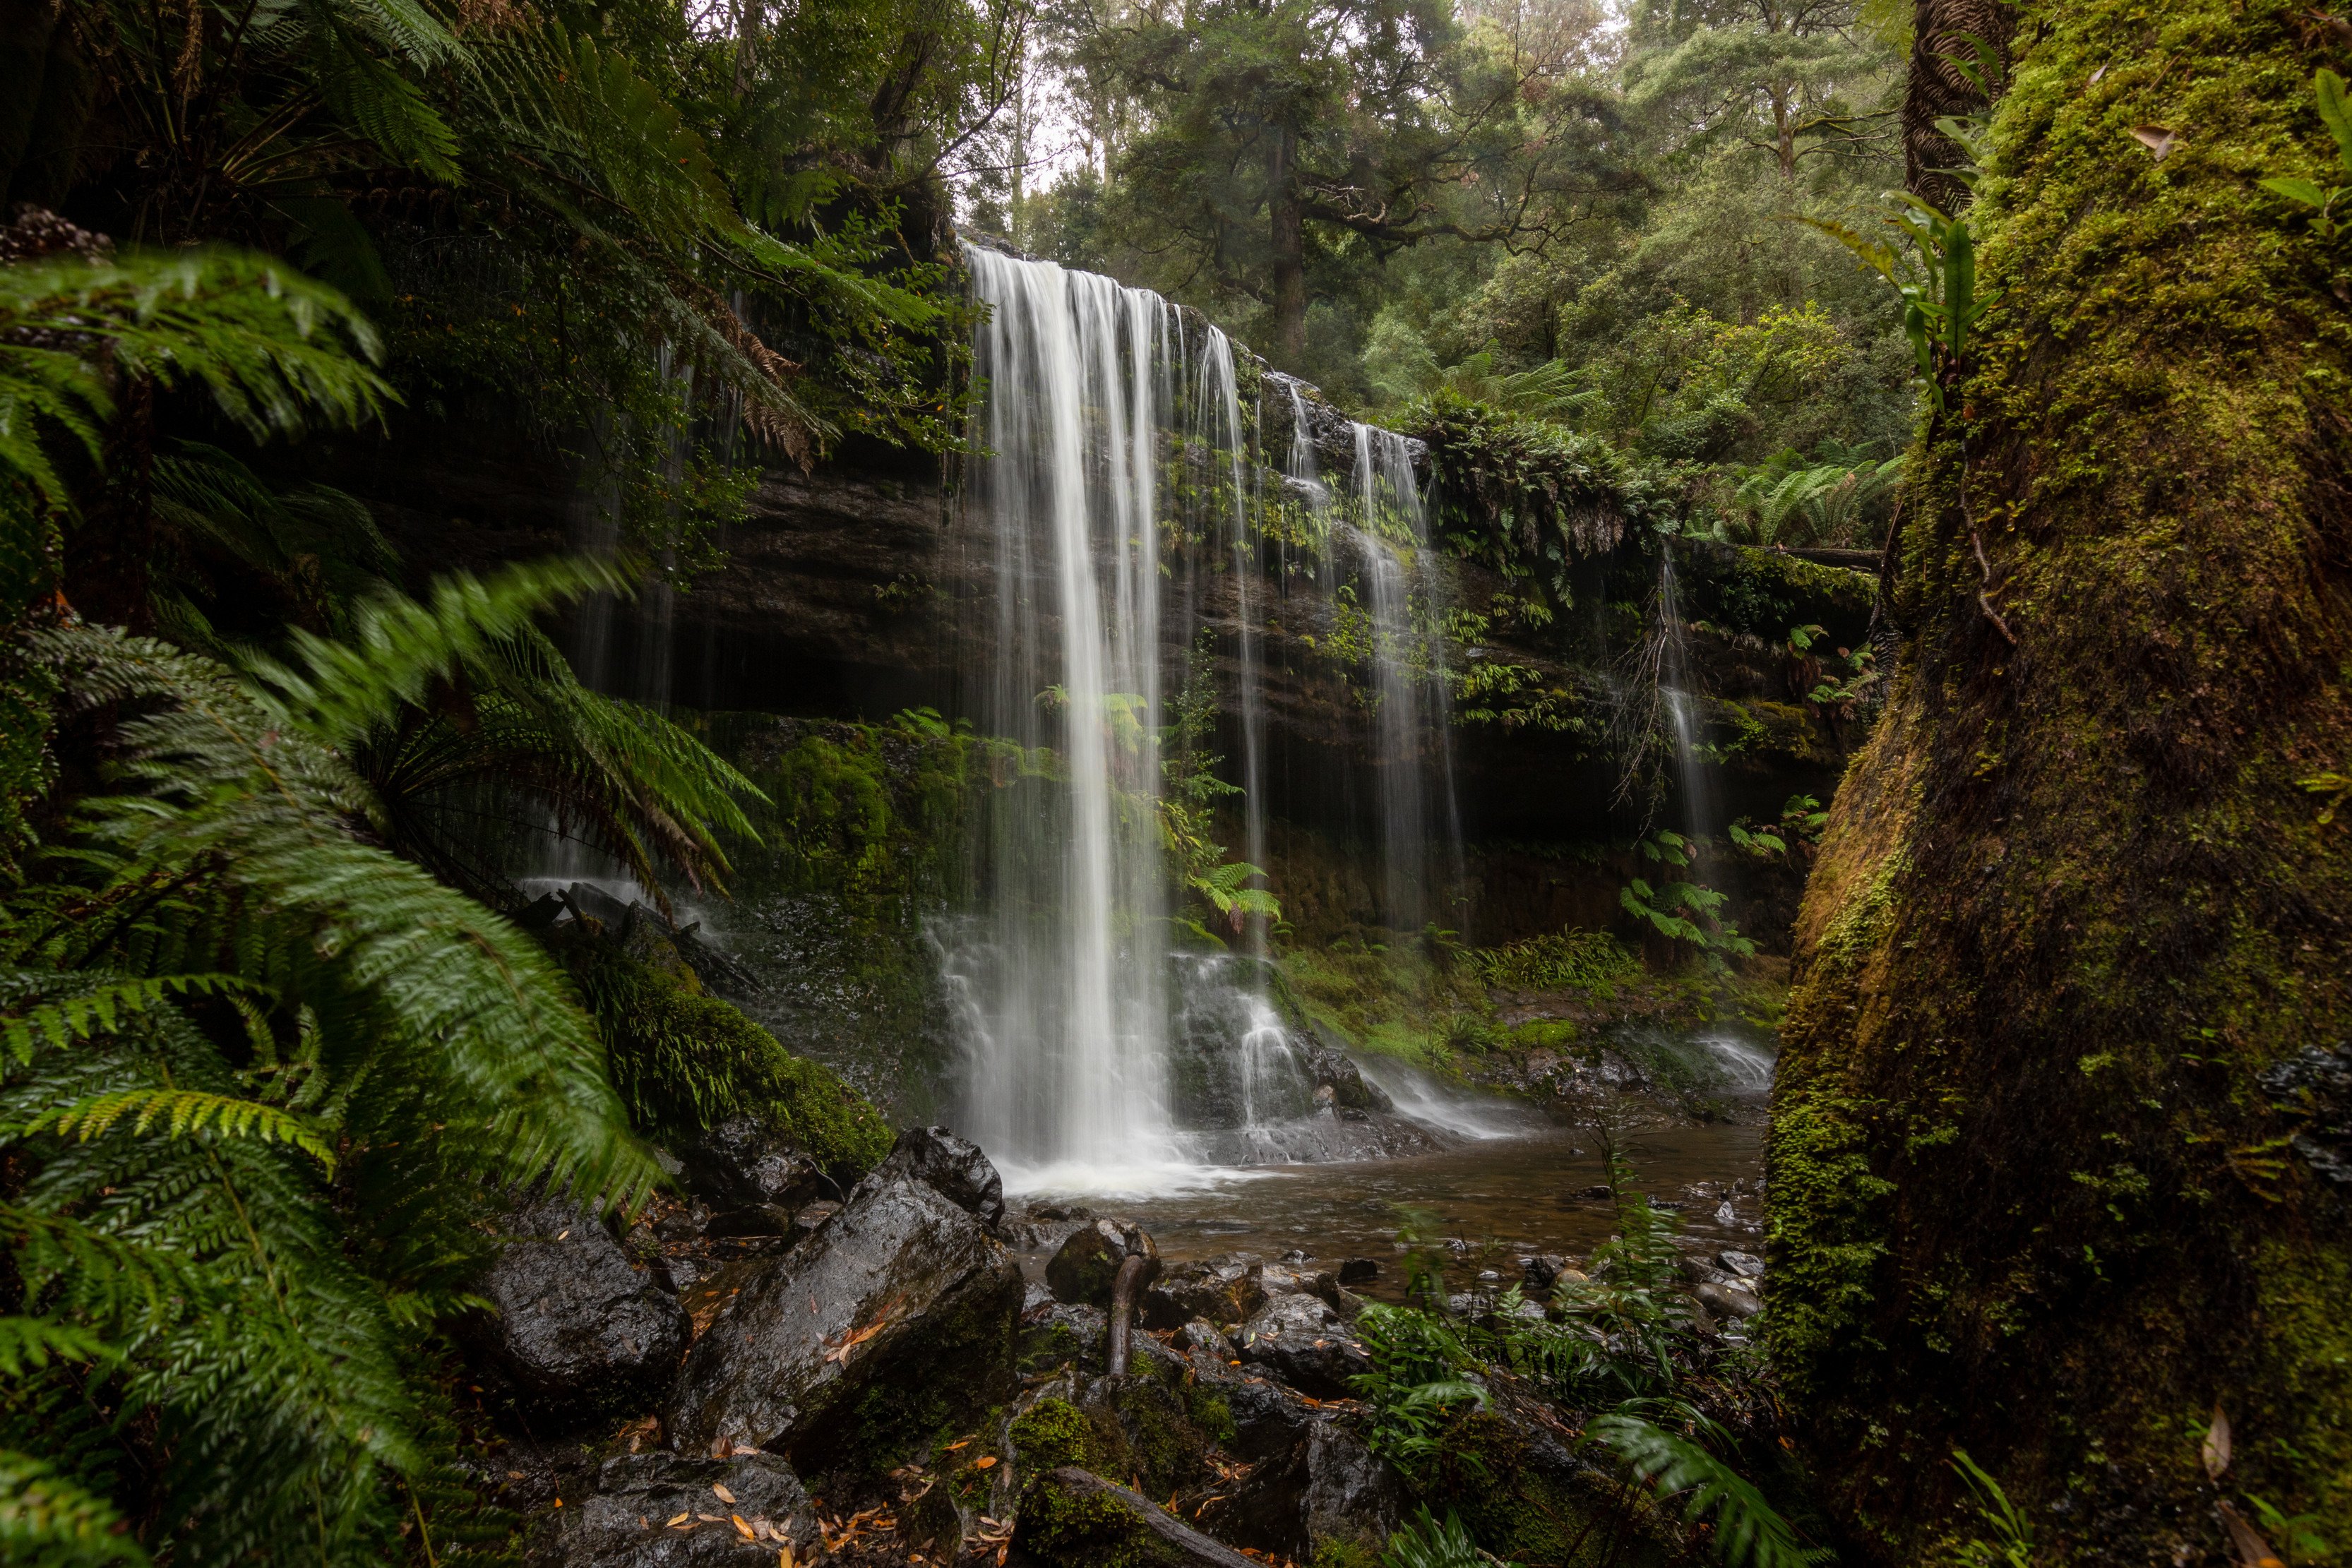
[1301,1339]
[897,1316]
[579,1332]
[740,1512]
[1086,1266]
[951,1166]
[743,1162]
[1227,1289]
[1326,1487]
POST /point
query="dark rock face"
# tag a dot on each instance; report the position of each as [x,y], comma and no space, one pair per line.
[1364,1271]
[1222,1289]
[954,1167]
[1061,1334]
[897,1317]
[742,1161]
[625,1523]
[1334,1070]
[1300,1339]
[1328,1487]
[580,1334]
[1070,1519]
[1086,1266]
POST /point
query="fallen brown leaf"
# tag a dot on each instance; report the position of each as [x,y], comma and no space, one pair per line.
[2157,140]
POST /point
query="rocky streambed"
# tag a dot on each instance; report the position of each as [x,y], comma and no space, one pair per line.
[769,1371]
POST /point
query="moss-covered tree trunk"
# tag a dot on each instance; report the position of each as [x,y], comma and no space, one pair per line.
[2052,1164]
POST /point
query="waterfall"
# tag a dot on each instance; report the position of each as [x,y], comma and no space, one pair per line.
[1682,707]
[1420,843]
[1068,1050]
[1218,421]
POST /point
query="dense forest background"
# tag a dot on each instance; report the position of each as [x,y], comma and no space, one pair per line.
[1593,214]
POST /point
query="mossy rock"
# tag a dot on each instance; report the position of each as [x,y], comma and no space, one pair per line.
[1530,1501]
[683,1060]
[1071,1518]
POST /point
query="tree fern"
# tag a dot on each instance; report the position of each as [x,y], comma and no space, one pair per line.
[175,1204]
[1748,1529]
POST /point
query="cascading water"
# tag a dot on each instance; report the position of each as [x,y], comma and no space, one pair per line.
[1682,709]
[1419,843]
[1070,1037]
[1217,419]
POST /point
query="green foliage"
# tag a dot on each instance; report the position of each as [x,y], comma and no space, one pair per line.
[2335,114]
[1421,1376]
[1748,1529]
[1789,502]
[218,992]
[1591,960]
[47,1522]
[2012,1545]
[1930,261]
[1427,1542]
[274,349]
[1684,911]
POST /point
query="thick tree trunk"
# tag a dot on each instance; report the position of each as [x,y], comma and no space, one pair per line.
[2059,1155]
[1943,38]
[1289,236]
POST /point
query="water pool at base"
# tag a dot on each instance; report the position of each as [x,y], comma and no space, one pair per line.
[1498,1197]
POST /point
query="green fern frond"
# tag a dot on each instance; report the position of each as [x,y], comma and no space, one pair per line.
[46,1522]
[184,1112]
[101,1006]
[1748,1529]
[28,1345]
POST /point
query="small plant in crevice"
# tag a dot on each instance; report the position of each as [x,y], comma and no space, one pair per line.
[2011,1542]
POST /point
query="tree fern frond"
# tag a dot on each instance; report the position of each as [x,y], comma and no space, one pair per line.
[28,1345]
[101,1006]
[184,1112]
[1748,1529]
[47,1522]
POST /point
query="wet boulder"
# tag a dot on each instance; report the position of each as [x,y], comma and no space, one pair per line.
[1341,1083]
[1202,1337]
[1741,1265]
[1088,1264]
[953,1168]
[579,1333]
[895,1319]
[1221,1290]
[1360,1271]
[744,1161]
[1729,1301]
[1328,1488]
[1071,1518]
[627,1522]
[1300,1339]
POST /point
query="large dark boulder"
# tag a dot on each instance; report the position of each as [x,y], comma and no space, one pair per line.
[1221,1290]
[1070,1519]
[895,1319]
[625,1523]
[1327,1487]
[1086,1266]
[578,1334]
[743,1162]
[954,1167]
[1300,1339]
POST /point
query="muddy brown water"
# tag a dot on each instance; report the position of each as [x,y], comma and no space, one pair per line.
[1484,1203]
